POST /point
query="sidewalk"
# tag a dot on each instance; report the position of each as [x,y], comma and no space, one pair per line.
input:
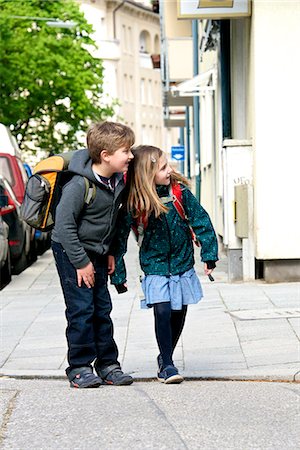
[240,331]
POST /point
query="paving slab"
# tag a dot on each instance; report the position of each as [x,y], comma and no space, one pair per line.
[270,313]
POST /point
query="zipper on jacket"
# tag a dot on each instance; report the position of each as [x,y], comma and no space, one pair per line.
[112,210]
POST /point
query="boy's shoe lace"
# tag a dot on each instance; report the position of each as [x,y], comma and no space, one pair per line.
[115,376]
[169,375]
[83,377]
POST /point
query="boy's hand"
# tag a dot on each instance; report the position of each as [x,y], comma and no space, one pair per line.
[87,275]
[111,264]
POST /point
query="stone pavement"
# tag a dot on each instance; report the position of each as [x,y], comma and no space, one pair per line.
[196,415]
[240,331]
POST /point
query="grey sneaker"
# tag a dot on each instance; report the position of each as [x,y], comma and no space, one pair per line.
[113,375]
[83,377]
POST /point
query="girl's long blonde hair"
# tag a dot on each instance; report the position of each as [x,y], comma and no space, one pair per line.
[142,196]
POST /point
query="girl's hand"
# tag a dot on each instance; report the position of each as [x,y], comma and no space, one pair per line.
[121,288]
[207,271]
[111,264]
[87,275]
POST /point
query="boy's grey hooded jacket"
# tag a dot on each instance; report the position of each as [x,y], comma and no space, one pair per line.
[80,227]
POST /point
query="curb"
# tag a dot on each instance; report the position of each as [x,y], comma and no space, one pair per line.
[253,378]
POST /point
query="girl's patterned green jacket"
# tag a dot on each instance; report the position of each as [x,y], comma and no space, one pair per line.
[167,247]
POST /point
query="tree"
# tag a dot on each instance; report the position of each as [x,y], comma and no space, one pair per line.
[50,84]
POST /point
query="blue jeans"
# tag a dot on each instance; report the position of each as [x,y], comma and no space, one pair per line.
[89,326]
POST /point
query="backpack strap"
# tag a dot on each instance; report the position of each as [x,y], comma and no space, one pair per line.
[140,232]
[138,229]
[176,192]
[90,191]
[175,196]
[177,202]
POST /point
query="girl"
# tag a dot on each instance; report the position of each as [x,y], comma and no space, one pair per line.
[166,248]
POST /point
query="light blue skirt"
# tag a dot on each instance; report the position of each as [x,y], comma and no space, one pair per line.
[180,290]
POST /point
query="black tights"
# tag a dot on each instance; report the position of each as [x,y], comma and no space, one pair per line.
[168,327]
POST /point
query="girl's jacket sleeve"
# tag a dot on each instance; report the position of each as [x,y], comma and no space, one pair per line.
[201,224]
[119,246]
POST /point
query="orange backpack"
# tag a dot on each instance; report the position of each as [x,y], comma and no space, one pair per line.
[43,191]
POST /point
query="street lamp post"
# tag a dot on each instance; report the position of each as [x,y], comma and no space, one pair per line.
[196,113]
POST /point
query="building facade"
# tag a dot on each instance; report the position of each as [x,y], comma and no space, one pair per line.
[128,35]
[247,91]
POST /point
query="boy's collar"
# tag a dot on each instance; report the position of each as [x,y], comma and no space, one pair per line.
[118,177]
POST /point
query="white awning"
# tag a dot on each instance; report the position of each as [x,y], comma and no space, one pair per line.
[204,82]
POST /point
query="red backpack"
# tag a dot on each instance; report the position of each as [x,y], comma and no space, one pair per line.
[175,195]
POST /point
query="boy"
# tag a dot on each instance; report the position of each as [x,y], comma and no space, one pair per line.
[80,242]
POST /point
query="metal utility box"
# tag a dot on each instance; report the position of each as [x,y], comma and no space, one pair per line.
[237,170]
[241,194]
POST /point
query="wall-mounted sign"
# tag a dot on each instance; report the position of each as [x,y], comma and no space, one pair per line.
[213,9]
[177,153]
[215,3]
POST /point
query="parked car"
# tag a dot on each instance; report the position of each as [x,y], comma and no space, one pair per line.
[11,165]
[5,264]
[20,233]
[12,168]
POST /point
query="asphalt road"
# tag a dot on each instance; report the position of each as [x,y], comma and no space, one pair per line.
[206,415]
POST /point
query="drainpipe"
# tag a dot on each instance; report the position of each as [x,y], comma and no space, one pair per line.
[181,141]
[114,16]
[225,77]
[196,108]
[187,152]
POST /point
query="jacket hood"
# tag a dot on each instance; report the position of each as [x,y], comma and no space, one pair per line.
[81,164]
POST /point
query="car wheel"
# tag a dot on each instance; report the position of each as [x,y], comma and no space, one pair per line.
[6,272]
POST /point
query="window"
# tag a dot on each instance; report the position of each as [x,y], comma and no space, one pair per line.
[23,171]
[156,93]
[150,93]
[156,45]
[131,89]
[5,170]
[144,135]
[124,38]
[129,36]
[143,93]
[144,42]
[125,88]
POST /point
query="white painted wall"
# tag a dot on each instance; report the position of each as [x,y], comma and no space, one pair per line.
[275,118]
[108,50]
